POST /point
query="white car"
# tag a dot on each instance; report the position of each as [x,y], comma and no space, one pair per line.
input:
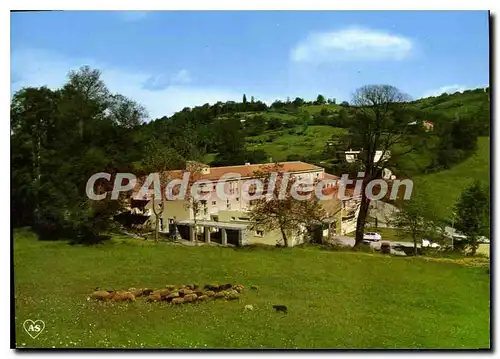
[428,243]
[372,236]
[483,239]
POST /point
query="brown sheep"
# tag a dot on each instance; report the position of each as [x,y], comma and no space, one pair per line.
[178,300]
[198,293]
[173,295]
[154,298]
[101,295]
[202,298]
[210,293]
[147,291]
[190,297]
[184,292]
[238,288]
[219,295]
[170,287]
[232,295]
[123,296]
[162,292]
[225,286]
[137,292]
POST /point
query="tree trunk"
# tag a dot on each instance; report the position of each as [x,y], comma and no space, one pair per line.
[360,224]
[415,249]
[157,227]
[285,239]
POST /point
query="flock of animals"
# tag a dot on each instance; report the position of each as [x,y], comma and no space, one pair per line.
[187,293]
[173,294]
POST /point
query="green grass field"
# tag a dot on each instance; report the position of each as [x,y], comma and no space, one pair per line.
[335,299]
[444,188]
[288,142]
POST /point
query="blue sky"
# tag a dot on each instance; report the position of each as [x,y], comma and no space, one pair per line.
[167,60]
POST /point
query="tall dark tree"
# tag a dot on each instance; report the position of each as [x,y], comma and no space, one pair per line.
[473,214]
[320,100]
[380,123]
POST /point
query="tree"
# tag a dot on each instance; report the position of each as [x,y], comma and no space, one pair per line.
[380,123]
[244,99]
[193,201]
[288,214]
[344,104]
[320,100]
[159,160]
[473,208]
[59,139]
[414,220]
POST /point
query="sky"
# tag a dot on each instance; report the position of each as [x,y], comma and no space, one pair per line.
[168,60]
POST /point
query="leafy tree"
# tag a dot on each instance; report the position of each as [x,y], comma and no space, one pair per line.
[380,123]
[60,138]
[320,100]
[414,219]
[244,99]
[159,160]
[344,104]
[288,214]
[473,214]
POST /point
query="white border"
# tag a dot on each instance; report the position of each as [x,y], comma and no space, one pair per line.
[191,5]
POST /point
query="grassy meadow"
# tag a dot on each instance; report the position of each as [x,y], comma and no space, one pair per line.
[444,188]
[334,299]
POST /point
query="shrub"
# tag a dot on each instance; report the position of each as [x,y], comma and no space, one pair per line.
[385,248]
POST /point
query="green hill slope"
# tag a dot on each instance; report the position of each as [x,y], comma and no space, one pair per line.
[445,187]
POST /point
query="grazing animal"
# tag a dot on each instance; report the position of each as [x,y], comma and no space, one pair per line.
[248,307]
[210,293]
[202,298]
[184,292]
[147,291]
[137,292]
[154,298]
[101,295]
[190,297]
[225,286]
[178,300]
[123,296]
[280,308]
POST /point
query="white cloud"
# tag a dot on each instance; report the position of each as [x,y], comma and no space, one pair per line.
[41,68]
[352,43]
[132,16]
[450,89]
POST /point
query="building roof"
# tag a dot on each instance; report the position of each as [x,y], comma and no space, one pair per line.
[216,173]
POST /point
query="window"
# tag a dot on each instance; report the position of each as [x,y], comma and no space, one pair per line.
[228,205]
[214,203]
[259,233]
[237,199]
[233,218]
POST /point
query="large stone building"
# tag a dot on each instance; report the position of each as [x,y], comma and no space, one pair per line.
[227,220]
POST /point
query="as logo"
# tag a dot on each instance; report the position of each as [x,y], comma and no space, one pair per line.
[33,328]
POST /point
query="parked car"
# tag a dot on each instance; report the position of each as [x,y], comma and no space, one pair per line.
[398,250]
[372,236]
[427,243]
[483,239]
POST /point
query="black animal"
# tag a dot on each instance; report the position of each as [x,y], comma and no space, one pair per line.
[280,308]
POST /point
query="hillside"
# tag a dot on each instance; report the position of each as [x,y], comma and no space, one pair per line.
[445,187]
